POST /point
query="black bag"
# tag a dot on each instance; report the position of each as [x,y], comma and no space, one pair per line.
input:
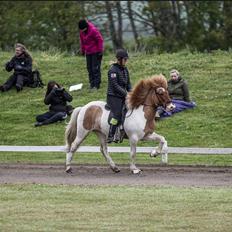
[36,80]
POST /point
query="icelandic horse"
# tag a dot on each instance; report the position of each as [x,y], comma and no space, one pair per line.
[139,123]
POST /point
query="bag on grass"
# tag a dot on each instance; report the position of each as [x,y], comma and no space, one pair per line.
[36,80]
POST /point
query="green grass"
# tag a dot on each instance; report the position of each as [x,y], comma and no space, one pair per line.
[114,208]
[97,158]
[208,75]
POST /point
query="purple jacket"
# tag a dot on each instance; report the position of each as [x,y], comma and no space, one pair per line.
[92,41]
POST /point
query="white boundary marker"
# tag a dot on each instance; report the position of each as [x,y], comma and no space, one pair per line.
[96,149]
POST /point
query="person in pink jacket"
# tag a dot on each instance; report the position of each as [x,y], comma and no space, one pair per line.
[91,42]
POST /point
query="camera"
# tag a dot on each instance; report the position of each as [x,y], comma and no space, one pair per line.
[59,91]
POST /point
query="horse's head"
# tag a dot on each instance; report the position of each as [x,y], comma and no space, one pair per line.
[151,92]
[161,98]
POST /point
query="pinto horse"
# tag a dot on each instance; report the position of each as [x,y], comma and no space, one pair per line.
[139,123]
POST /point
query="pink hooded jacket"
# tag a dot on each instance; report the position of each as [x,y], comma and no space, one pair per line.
[92,41]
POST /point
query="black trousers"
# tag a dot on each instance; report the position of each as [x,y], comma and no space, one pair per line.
[94,69]
[51,117]
[116,105]
[18,80]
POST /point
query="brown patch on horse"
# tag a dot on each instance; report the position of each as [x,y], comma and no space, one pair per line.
[149,114]
[139,94]
[92,118]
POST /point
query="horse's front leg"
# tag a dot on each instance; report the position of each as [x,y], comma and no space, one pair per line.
[162,148]
[133,168]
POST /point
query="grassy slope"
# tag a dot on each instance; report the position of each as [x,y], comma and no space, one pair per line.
[68,208]
[208,75]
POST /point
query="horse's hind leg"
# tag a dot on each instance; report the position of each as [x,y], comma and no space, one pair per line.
[105,153]
[72,149]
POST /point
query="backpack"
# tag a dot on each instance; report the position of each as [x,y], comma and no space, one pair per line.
[36,80]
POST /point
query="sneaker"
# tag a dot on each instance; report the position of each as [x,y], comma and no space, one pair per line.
[94,89]
[91,89]
[38,124]
[18,87]
[2,88]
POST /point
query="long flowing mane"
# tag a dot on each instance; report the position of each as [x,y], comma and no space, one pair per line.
[139,93]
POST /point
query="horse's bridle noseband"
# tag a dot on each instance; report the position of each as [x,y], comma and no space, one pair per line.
[155,104]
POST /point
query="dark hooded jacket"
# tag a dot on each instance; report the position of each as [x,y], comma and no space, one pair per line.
[57,99]
[21,65]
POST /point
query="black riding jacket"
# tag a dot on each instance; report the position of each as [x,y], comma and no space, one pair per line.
[57,99]
[21,65]
[118,81]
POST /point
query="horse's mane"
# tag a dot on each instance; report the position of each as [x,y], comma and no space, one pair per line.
[139,93]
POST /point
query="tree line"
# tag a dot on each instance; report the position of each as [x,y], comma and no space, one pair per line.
[140,25]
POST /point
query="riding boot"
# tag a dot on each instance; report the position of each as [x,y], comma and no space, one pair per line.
[111,133]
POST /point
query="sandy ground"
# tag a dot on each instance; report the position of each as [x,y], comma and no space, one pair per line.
[152,175]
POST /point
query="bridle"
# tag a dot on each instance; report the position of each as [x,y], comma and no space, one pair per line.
[155,105]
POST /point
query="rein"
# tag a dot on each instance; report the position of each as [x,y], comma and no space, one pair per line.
[155,105]
[151,105]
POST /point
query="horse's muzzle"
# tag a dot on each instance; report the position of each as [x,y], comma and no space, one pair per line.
[170,107]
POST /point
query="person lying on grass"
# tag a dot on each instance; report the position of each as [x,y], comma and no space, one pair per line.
[57,98]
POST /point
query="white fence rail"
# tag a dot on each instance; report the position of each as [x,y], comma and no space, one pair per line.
[116,149]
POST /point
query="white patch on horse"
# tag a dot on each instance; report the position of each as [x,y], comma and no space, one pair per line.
[135,123]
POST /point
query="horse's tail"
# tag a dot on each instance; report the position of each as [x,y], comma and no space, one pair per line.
[71,129]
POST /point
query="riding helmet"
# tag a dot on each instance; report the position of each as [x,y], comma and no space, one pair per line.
[121,54]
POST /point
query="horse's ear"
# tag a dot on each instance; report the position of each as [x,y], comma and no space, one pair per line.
[160,90]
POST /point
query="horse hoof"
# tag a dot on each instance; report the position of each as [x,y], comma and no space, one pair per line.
[153,154]
[68,170]
[116,169]
[136,171]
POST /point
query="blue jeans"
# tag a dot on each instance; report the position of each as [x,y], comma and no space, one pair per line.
[51,117]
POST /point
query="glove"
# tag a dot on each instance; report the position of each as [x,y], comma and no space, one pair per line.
[9,65]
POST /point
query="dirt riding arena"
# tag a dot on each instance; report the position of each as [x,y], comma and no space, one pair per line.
[152,175]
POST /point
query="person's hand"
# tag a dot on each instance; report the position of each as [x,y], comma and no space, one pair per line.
[82,53]
[7,64]
[99,55]
[59,90]
[18,67]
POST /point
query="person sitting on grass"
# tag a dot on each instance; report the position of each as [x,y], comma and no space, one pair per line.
[179,93]
[57,98]
[21,63]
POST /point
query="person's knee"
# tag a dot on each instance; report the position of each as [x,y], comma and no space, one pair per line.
[61,115]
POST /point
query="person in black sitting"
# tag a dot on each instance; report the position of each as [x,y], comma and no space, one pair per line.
[118,86]
[21,63]
[57,98]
